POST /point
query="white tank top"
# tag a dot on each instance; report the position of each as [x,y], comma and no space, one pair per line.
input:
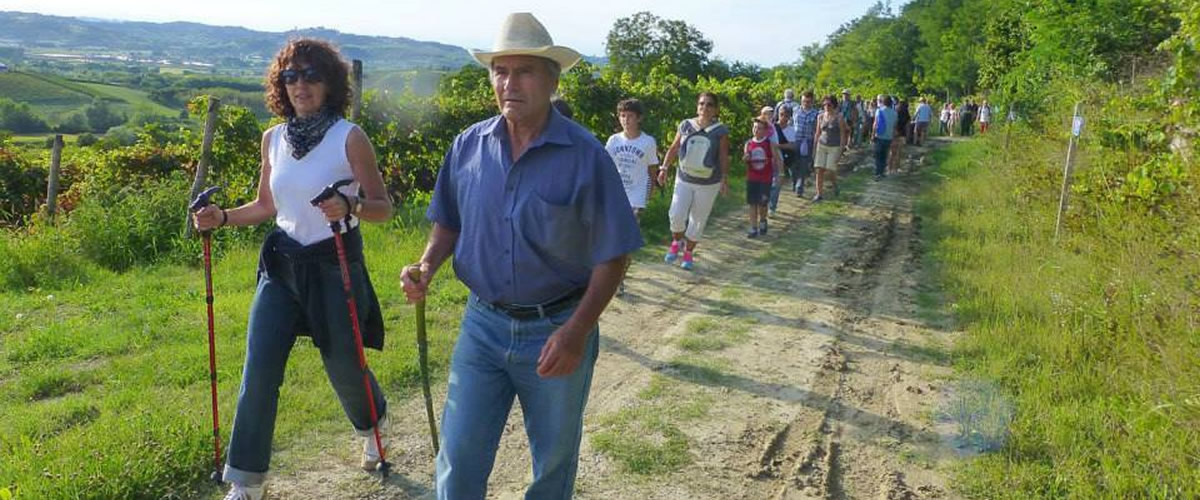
[294,182]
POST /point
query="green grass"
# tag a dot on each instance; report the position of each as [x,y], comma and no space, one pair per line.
[42,90]
[646,440]
[709,334]
[104,386]
[53,97]
[39,140]
[1091,341]
[128,100]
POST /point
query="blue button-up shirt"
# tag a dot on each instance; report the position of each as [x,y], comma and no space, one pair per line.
[532,230]
[805,123]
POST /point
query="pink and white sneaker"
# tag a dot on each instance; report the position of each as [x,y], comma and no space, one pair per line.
[672,253]
[687,264]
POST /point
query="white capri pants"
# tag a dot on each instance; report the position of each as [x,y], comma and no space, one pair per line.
[690,206]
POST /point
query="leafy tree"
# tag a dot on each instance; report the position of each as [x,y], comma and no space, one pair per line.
[19,118]
[101,116]
[637,43]
[74,123]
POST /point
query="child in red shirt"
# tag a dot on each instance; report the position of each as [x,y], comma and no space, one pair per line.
[761,157]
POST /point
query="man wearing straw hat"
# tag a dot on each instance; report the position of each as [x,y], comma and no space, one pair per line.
[532,209]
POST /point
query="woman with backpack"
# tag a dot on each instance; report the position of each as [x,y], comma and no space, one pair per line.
[701,147]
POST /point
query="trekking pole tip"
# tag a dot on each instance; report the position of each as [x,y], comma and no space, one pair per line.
[384,468]
[216,477]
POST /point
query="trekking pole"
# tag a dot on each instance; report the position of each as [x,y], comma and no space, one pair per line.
[336,226]
[423,360]
[201,201]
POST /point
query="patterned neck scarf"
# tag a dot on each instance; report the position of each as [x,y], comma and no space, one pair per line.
[304,133]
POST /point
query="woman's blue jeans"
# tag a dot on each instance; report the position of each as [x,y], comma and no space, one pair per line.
[494,360]
[270,337]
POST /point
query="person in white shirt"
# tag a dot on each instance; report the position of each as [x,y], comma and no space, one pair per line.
[985,117]
[636,154]
[923,116]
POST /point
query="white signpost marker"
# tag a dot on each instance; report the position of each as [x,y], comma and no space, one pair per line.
[1076,129]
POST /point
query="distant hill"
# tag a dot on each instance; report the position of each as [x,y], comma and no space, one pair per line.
[200,46]
[53,97]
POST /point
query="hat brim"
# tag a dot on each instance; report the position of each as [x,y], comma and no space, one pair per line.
[564,56]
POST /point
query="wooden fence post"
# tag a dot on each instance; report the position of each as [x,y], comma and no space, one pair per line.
[357,82]
[52,184]
[1076,129]
[210,128]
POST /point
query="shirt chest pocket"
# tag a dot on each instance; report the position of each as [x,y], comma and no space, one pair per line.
[554,230]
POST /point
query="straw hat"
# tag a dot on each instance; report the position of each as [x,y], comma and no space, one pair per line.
[523,35]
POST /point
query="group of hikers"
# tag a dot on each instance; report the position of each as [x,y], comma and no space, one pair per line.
[964,116]
[540,219]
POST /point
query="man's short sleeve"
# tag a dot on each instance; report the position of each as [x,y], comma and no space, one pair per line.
[443,206]
[612,230]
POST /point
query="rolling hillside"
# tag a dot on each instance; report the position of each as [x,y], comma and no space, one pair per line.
[221,46]
[53,97]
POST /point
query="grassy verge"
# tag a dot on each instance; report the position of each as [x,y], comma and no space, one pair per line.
[104,390]
[1093,338]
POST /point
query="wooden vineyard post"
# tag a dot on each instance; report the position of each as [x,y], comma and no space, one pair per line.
[52,184]
[356,82]
[210,128]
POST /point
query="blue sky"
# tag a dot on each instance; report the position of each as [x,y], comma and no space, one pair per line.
[766,32]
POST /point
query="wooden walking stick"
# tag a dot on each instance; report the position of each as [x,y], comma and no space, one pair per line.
[423,360]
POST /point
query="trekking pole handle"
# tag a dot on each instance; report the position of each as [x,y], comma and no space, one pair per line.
[329,192]
[202,200]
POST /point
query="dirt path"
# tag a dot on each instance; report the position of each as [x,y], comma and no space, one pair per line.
[786,367]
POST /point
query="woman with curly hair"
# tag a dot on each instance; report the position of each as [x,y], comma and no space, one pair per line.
[299,281]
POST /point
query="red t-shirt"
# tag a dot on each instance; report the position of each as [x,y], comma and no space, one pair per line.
[760,166]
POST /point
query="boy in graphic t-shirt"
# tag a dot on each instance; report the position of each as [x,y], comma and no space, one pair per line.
[761,157]
[635,153]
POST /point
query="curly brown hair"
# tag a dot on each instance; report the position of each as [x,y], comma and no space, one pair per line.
[322,56]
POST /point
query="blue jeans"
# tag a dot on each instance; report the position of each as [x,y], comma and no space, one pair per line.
[774,197]
[882,147]
[270,336]
[494,360]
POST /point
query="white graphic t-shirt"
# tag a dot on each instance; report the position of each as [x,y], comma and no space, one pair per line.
[634,157]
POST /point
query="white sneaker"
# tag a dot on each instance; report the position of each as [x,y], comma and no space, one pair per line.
[239,492]
[370,457]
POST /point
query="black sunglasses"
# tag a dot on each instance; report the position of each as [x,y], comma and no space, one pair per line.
[291,76]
